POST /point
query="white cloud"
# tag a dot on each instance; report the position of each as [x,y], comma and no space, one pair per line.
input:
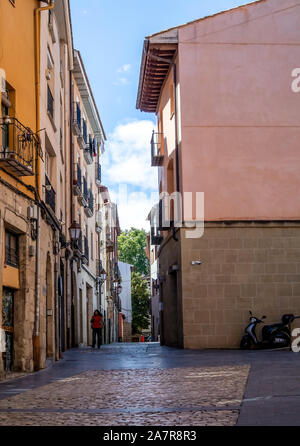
[122,81]
[128,157]
[134,209]
[123,71]
[124,68]
[127,162]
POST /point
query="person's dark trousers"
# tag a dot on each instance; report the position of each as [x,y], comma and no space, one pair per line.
[97,332]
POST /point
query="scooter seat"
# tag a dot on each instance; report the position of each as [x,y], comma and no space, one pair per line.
[267,329]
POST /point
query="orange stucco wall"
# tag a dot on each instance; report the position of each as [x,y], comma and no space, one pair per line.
[17,59]
[239,116]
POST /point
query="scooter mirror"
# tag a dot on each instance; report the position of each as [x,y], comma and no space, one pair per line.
[250,312]
[264,317]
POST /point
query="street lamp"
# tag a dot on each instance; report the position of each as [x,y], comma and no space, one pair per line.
[74,231]
[103,277]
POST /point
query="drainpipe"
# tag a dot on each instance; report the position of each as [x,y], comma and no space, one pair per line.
[36,338]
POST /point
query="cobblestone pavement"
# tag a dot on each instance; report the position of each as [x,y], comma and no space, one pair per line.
[147,385]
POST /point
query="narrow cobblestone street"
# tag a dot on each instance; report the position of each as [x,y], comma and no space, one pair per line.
[145,384]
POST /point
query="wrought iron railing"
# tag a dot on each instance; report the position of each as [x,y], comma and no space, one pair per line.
[79,177]
[86,248]
[91,201]
[84,131]
[85,190]
[157,149]
[77,117]
[98,173]
[50,194]
[19,146]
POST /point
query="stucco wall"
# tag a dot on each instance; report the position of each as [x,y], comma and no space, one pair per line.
[240,117]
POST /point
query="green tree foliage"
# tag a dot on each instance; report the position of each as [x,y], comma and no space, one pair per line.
[140,303]
[132,246]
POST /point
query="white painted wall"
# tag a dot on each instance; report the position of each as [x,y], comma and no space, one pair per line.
[125,295]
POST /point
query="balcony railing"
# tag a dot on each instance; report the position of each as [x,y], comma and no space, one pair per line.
[109,242]
[99,267]
[76,119]
[50,102]
[19,147]
[85,192]
[98,174]
[86,248]
[89,209]
[84,132]
[157,155]
[99,221]
[89,151]
[77,180]
[50,194]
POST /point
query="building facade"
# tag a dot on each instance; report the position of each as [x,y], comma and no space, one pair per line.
[228,128]
[152,254]
[125,315]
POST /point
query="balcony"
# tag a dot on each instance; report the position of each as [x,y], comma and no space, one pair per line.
[89,151]
[157,155]
[76,124]
[86,251]
[99,268]
[98,174]
[109,242]
[50,195]
[77,181]
[18,147]
[89,209]
[82,137]
[156,238]
[99,221]
[84,197]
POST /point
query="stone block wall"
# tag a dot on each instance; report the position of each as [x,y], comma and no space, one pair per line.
[251,266]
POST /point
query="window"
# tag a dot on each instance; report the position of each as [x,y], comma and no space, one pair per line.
[11,249]
[50,84]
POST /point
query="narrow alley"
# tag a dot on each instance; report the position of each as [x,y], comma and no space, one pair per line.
[149,385]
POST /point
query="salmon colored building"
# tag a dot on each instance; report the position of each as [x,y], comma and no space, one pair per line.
[228,126]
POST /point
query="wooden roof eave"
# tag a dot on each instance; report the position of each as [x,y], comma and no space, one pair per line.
[153,72]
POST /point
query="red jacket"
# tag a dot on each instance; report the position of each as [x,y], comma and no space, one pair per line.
[96,322]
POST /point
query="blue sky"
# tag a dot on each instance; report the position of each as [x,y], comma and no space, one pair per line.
[109,35]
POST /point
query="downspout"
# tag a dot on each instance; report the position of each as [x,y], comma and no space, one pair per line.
[36,339]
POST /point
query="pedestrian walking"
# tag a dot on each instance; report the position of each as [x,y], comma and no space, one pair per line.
[97,324]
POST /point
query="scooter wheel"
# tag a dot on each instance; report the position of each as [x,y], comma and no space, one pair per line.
[245,343]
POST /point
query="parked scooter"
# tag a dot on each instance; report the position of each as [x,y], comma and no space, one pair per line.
[272,336]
